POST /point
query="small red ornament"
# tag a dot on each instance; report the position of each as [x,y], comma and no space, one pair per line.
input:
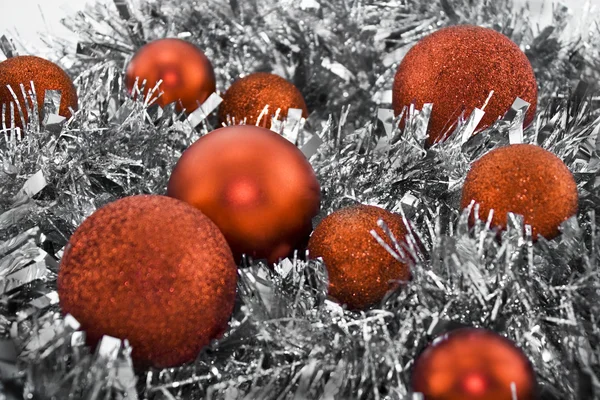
[186,73]
[526,180]
[248,96]
[256,186]
[45,75]
[473,364]
[153,270]
[455,68]
[361,271]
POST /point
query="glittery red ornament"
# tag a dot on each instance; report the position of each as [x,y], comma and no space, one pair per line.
[455,69]
[473,364]
[45,75]
[256,186]
[526,180]
[248,96]
[187,75]
[361,271]
[153,270]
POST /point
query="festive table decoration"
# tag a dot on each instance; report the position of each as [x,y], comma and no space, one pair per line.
[256,186]
[152,270]
[457,69]
[286,337]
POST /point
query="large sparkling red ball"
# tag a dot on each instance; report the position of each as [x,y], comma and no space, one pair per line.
[523,179]
[153,270]
[361,271]
[473,364]
[247,97]
[256,186]
[187,75]
[455,68]
[45,75]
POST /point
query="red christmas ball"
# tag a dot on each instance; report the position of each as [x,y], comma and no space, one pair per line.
[361,271]
[247,97]
[153,270]
[473,364]
[45,75]
[186,73]
[256,186]
[455,68]
[526,180]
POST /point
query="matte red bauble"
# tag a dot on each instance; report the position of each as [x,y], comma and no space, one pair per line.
[186,73]
[455,68]
[473,364]
[152,270]
[256,186]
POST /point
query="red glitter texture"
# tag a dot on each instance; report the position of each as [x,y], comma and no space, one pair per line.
[45,76]
[360,270]
[248,96]
[153,270]
[473,364]
[256,186]
[526,180]
[187,74]
[455,68]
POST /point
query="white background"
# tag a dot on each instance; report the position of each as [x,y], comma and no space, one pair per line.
[31,18]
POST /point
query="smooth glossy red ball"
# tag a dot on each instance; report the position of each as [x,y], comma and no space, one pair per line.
[153,270]
[455,68]
[473,364]
[187,75]
[523,179]
[45,75]
[247,97]
[361,271]
[256,186]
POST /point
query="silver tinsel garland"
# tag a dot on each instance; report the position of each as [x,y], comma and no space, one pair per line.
[287,340]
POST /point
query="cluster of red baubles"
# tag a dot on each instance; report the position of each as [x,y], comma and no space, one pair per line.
[163,268]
